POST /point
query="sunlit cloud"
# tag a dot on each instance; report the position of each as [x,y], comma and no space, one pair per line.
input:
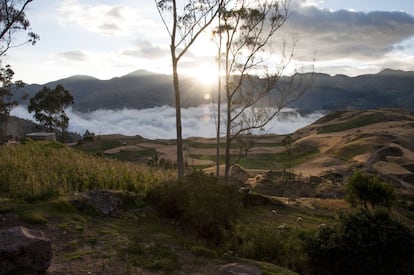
[111,20]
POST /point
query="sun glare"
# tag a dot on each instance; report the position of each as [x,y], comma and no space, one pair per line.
[206,75]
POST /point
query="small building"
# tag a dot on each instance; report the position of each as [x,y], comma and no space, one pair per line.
[41,136]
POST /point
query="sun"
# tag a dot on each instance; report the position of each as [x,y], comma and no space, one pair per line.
[205,74]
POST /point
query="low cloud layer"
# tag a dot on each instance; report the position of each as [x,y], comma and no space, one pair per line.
[159,122]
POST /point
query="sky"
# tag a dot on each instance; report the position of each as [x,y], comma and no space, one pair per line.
[108,38]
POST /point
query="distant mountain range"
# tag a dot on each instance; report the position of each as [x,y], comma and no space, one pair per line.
[142,89]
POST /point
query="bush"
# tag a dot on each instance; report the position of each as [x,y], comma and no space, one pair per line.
[200,203]
[264,242]
[362,242]
[368,189]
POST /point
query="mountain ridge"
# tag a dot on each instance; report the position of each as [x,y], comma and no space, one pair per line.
[142,89]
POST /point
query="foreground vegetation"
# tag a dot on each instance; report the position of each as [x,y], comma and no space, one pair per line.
[196,224]
[40,170]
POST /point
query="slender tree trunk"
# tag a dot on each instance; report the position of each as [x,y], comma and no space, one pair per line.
[218,129]
[174,59]
[180,158]
[228,124]
[218,103]
[228,143]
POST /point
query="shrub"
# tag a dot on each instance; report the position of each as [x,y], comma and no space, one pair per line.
[368,189]
[363,242]
[264,242]
[200,203]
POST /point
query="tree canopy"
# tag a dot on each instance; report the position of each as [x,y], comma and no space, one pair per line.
[49,106]
[366,189]
[12,20]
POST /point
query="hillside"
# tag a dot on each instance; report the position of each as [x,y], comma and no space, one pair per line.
[142,89]
[105,216]
[379,141]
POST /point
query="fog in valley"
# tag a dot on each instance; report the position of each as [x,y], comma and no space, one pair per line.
[159,122]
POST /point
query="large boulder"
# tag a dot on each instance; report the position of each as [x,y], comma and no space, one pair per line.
[24,250]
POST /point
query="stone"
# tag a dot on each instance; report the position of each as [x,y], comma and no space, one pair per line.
[105,202]
[24,250]
[240,269]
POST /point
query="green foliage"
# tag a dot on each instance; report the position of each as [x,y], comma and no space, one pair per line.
[363,242]
[40,170]
[12,20]
[6,91]
[200,203]
[368,189]
[265,242]
[49,107]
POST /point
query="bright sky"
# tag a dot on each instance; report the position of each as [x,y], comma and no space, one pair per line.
[109,38]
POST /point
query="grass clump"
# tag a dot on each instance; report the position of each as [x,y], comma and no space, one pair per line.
[151,256]
[33,217]
[41,170]
[204,252]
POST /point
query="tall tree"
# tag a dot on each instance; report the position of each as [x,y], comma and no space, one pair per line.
[49,106]
[184,24]
[253,86]
[12,20]
[6,96]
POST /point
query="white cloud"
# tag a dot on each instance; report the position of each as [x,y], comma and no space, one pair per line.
[75,55]
[159,122]
[111,20]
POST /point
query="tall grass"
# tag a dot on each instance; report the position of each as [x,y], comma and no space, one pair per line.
[39,170]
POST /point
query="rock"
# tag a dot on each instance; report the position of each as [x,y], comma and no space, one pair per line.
[23,249]
[240,269]
[106,202]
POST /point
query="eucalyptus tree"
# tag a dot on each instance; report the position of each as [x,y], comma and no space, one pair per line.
[49,106]
[7,100]
[184,21]
[12,20]
[255,91]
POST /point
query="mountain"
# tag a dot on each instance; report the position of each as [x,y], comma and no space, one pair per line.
[143,89]
[386,89]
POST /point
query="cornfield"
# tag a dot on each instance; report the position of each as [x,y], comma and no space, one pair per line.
[40,170]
